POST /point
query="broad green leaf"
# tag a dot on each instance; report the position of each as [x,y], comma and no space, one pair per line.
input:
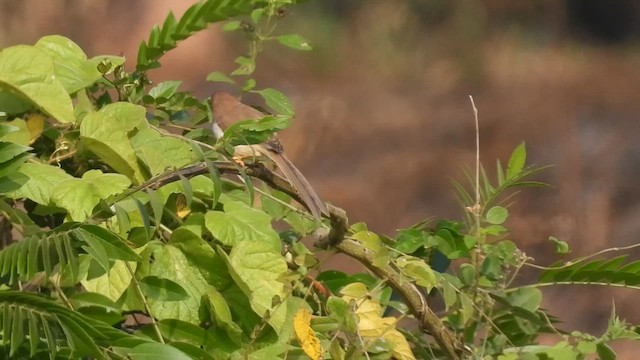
[80,196]
[497,215]
[201,186]
[373,327]
[605,352]
[277,101]
[12,103]
[9,151]
[157,351]
[302,224]
[188,238]
[20,135]
[526,298]
[257,269]
[221,314]
[417,270]
[355,290]
[71,66]
[162,289]
[176,330]
[239,223]
[492,267]
[165,89]
[517,160]
[42,181]
[112,284]
[281,319]
[29,74]
[170,263]
[294,41]
[161,153]
[9,170]
[105,133]
[339,309]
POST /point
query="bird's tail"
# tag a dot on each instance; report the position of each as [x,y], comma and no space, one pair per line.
[295,177]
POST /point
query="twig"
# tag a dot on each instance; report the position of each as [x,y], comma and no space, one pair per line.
[136,284]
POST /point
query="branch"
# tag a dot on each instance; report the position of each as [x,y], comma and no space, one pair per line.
[257,170]
[415,300]
[417,303]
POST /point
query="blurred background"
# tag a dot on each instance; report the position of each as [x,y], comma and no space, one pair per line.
[384,120]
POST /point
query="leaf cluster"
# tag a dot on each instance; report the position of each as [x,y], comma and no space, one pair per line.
[113,248]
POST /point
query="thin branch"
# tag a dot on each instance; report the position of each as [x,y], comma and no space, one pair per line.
[136,284]
[573,262]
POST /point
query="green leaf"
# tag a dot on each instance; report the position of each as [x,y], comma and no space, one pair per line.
[256,15]
[188,238]
[71,66]
[497,215]
[249,85]
[165,89]
[84,299]
[80,196]
[277,101]
[42,181]
[170,263]
[247,66]
[105,133]
[240,222]
[605,352]
[257,267]
[516,161]
[231,26]
[113,283]
[9,151]
[6,128]
[195,352]
[176,330]
[196,18]
[221,313]
[294,41]
[217,76]
[28,72]
[157,351]
[162,289]
[526,298]
[417,270]
[561,247]
[161,153]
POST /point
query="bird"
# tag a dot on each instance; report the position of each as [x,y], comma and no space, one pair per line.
[228,110]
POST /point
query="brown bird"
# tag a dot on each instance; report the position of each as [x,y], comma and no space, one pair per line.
[228,110]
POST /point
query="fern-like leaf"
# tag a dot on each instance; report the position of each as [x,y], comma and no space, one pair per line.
[612,272]
[58,250]
[35,324]
[196,18]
